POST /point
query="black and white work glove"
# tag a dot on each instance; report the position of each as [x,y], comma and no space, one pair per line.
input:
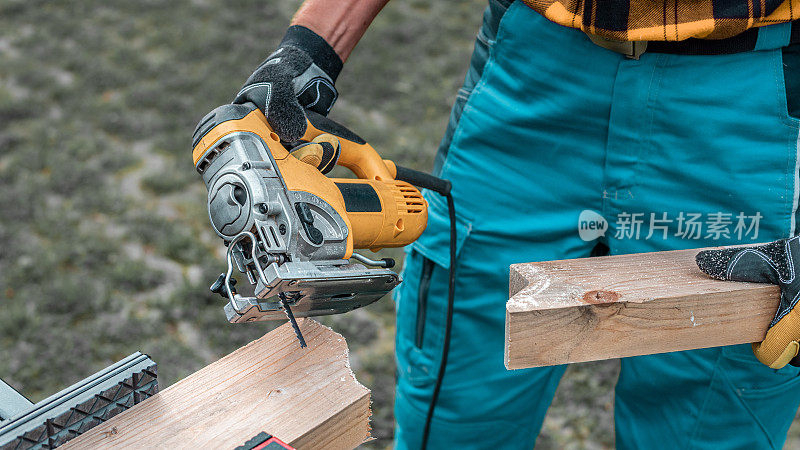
[299,75]
[775,263]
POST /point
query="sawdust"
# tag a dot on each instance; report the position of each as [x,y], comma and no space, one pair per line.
[345,355]
[543,290]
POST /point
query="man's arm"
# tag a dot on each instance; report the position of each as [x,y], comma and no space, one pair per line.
[340,22]
[301,73]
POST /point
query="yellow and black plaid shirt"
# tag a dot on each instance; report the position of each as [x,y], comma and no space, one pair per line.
[666,20]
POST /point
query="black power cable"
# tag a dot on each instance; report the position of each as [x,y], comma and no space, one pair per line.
[451,290]
[442,187]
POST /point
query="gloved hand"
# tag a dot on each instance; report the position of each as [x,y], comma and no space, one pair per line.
[299,74]
[769,263]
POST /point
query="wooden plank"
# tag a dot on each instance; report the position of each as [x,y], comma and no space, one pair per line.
[307,397]
[616,306]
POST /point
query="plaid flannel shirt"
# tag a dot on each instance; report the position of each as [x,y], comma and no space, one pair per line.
[666,20]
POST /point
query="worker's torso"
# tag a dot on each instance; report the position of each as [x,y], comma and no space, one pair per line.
[666,20]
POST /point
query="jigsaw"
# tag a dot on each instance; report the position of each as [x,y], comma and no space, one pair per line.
[291,229]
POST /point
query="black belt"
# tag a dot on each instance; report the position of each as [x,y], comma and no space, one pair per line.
[743,42]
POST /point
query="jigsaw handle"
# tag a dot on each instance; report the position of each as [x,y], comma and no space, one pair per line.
[356,154]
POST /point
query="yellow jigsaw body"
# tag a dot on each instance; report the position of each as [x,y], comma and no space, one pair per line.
[403,212]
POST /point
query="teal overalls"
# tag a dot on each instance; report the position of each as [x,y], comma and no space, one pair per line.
[549,125]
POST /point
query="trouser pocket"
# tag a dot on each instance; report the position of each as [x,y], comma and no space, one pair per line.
[750,402]
[422,300]
[484,41]
[418,333]
[791,79]
[790,64]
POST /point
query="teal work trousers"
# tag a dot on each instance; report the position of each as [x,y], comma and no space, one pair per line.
[549,133]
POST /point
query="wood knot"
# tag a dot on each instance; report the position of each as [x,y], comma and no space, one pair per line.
[600,297]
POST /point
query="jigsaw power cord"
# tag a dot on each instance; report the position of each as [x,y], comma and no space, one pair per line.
[442,187]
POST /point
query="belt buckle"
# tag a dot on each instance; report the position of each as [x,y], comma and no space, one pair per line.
[631,49]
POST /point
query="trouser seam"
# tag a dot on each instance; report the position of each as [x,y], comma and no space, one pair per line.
[750,410]
[790,185]
[707,398]
[732,388]
[795,193]
[604,201]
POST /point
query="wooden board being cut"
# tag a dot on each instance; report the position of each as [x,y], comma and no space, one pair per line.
[307,397]
[616,306]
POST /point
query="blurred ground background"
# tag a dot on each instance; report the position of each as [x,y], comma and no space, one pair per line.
[105,245]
